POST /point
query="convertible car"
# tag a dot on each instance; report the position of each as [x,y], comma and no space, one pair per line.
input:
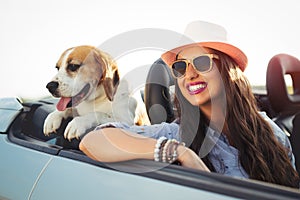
[34,166]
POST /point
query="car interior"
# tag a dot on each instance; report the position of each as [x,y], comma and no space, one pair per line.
[285,104]
[281,106]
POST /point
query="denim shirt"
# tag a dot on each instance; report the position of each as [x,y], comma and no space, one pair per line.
[223,156]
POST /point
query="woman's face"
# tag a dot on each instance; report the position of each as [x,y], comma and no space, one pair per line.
[199,88]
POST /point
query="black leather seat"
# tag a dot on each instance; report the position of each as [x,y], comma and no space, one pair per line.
[160,106]
[285,104]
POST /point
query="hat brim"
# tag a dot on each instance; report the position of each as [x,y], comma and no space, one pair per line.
[235,53]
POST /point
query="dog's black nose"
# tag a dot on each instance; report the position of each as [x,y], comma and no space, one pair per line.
[52,86]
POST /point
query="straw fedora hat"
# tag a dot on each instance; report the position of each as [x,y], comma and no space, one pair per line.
[209,35]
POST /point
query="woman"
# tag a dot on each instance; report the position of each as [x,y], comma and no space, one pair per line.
[232,137]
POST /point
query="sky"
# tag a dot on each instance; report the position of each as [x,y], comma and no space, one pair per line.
[34,33]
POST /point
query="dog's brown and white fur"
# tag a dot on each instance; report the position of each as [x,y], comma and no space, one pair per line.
[87,83]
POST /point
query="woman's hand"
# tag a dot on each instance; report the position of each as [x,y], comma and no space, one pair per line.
[190,159]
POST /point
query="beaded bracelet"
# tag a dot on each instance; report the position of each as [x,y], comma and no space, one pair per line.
[158,146]
[161,150]
[164,151]
[172,151]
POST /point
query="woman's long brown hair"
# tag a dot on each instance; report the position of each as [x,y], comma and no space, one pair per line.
[261,155]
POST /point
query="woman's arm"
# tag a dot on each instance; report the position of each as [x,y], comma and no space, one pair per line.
[114,144]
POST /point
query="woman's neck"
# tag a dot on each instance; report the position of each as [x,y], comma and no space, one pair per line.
[216,115]
[217,120]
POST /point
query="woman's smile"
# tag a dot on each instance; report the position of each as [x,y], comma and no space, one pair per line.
[196,87]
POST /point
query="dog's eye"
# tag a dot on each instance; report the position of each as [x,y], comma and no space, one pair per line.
[73,67]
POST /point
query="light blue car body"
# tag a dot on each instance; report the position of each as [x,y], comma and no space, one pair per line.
[28,173]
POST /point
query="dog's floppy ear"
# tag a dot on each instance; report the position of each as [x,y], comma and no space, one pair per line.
[110,84]
[111,77]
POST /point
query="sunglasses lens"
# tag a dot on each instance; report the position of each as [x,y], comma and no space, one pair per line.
[179,68]
[202,63]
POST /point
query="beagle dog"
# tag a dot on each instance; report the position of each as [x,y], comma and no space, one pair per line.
[87,84]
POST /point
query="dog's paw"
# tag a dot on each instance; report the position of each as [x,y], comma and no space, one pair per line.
[52,123]
[75,129]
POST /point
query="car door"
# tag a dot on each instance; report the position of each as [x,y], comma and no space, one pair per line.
[65,178]
[20,169]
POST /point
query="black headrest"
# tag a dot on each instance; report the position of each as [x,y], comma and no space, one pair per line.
[158,101]
[278,67]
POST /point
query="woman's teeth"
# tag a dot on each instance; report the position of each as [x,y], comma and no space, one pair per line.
[194,88]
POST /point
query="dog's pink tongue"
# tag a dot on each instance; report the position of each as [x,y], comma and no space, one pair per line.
[63,102]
